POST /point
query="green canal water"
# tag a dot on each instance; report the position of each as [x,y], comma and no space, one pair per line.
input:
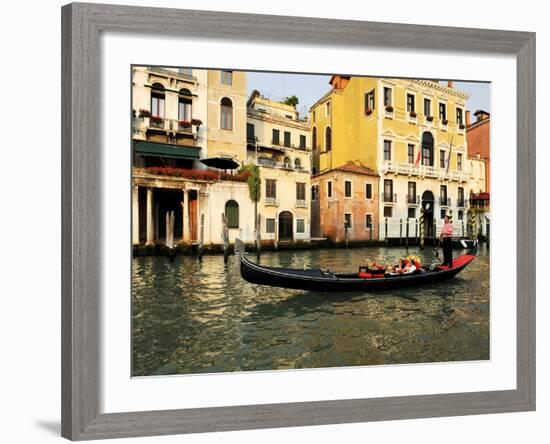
[202,317]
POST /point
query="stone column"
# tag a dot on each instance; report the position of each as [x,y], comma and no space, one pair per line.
[185,204]
[150,224]
[135,215]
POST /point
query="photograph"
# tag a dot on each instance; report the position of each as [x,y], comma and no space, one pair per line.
[291,221]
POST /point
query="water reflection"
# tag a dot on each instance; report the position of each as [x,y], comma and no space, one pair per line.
[194,317]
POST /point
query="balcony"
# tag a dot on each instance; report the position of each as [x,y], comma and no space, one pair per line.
[389,197]
[412,199]
[271,202]
[444,201]
[270,163]
[287,145]
[409,169]
[301,203]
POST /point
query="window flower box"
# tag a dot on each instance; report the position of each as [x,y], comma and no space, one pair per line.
[462,126]
[389,109]
[196,122]
[412,114]
[184,124]
[368,111]
[445,121]
[430,118]
[144,113]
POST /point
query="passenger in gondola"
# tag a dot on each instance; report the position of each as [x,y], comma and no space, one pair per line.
[446,238]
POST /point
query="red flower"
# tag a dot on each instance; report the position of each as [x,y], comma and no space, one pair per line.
[191,174]
[144,112]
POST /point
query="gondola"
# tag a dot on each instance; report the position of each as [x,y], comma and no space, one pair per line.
[317,279]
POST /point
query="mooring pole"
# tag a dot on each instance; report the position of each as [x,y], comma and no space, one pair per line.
[201,237]
[258,237]
[370,233]
[462,225]
[225,239]
[407,234]
[346,233]
[400,231]
[416,231]
[386,230]
[421,229]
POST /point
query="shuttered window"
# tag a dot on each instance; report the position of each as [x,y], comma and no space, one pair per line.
[232,214]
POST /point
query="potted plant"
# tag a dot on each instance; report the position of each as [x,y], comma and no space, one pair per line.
[196,122]
[430,118]
[445,121]
[412,114]
[462,126]
[184,124]
[389,109]
[144,113]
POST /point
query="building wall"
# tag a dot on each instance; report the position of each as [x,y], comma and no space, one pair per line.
[479,143]
[267,115]
[285,201]
[219,193]
[227,143]
[478,179]
[333,209]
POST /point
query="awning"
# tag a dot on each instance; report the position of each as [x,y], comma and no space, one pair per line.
[221,163]
[146,148]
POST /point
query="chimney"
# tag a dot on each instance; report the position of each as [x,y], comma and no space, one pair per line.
[467,118]
[450,84]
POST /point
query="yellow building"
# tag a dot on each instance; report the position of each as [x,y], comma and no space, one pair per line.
[412,132]
[227,114]
[278,142]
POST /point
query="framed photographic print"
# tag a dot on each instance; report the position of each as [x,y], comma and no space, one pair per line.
[283,224]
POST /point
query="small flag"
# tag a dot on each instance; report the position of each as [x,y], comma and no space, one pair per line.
[418,158]
[450,153]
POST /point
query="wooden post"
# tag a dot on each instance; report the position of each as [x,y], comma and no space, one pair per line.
[201,237]
[276,234]
[346,233]
[462,224]
[370,233]
[258,236]
[400,231]
[407,234]
[386,230]
[225,239]
[416,231]
[421,229]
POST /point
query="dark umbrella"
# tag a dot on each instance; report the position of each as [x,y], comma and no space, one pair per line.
[221,163]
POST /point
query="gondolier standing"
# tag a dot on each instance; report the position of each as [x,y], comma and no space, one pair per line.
[446,238]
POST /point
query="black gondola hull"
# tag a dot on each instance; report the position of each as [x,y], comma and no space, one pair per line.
[317,280]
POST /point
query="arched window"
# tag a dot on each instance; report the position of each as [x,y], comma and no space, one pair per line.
[232,214]
[286,162]
[157,100]
[226,113]
[328,139]
[427,149]
[314,139]
[298,164]
[185,105]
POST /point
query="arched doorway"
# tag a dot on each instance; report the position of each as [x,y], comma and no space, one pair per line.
[285,226]
[428,200]
[427,149]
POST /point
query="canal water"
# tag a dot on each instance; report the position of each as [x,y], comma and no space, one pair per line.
[202,317]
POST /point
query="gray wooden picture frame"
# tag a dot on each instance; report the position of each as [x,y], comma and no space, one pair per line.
[81,229]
